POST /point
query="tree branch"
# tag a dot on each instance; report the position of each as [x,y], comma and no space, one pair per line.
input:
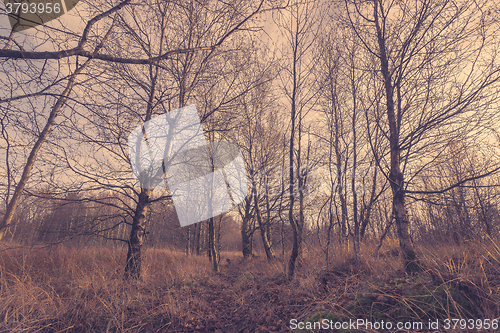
[456,184]
[79,51]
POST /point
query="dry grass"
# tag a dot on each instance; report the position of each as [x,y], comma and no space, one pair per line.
[81,290]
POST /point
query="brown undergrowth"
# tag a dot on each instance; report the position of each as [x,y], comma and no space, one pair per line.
[82,290]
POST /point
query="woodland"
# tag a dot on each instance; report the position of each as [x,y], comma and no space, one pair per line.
[368,132]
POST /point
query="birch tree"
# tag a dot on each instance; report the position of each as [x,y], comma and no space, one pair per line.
[299,24]
[438,66]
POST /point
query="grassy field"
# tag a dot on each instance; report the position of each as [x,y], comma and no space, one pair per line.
[81,290]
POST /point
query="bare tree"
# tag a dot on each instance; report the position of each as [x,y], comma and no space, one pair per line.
[11,202]
[349,169]
[299,24]
[143,48]
[260,141]
[421,51]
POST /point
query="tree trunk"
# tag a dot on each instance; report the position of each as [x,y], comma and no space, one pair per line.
[368,208]
[297,225]
[188,240]
[212,248]
[134,258]
[263,230]
[197,236]
[396,177]
[354,165]
[246,241]
[340,189]
[295,229]
[11,206]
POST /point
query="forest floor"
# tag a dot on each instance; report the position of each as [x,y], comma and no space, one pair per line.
[82,290]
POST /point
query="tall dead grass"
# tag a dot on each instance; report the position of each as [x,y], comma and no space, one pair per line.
[60,289]
[82,290]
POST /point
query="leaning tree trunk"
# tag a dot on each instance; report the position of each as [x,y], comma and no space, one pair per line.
[12,205]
